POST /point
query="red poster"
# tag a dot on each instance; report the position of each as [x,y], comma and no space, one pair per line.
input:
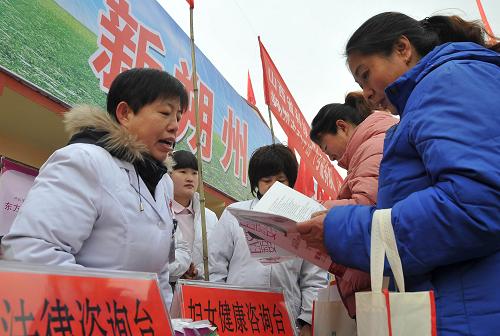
[236,311]
[55,304]
[285,109]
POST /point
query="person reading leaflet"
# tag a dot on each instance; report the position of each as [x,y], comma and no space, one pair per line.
[230,255]
[275,217]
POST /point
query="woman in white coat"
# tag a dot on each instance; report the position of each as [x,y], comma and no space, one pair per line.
[186,208]
[230,259]
[104,200]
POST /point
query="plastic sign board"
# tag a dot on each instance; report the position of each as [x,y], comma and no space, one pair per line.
[235,310]
[15,182]
[39,300]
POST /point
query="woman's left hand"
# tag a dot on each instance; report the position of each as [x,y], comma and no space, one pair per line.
[191,273]
[312,232]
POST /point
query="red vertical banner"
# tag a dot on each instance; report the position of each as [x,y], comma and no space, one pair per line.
[285,109]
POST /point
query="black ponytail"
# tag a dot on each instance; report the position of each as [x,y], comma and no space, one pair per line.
[379,34]
[355,110]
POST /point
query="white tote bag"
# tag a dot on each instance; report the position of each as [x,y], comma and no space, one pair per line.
[330,317]
[380,313]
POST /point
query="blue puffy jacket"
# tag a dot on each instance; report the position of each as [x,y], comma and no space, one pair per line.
[440,174]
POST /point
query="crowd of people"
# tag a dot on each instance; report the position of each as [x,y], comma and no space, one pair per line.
[119,197]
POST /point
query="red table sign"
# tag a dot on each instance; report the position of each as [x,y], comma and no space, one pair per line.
[236,311]
[34,303]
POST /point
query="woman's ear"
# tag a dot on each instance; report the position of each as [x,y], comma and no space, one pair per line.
[123,113]
[405,50]
[341,125]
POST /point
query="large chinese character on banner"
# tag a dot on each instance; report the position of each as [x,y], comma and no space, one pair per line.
[285,109]
[205,110]
[124,43]
[235,140]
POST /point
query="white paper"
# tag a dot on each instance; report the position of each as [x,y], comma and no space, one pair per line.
[275,218]
[287,202]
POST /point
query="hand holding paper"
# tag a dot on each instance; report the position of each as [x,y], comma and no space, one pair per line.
[319,213]
[312,232]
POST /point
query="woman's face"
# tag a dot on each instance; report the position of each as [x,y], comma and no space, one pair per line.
[185,183]
[375,72]
[334,145]
[154,124]
[266,182]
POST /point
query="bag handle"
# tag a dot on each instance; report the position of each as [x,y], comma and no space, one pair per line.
[383,242]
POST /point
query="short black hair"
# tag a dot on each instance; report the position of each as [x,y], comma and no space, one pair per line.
[142,86]
[271,160]
[184,159]
[354,110]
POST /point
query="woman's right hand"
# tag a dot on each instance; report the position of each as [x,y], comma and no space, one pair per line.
[318,213]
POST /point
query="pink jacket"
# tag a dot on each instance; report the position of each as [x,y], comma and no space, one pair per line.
[362,161]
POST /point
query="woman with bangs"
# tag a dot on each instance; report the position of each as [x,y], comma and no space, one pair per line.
[230,258]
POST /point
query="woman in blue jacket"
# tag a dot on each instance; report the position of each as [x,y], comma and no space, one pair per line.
[440,173]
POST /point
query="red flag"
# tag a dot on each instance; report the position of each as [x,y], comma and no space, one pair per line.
[191,3]
[250,94]
[305,182]
[284,107]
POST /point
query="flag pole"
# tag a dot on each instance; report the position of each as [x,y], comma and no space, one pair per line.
[201,188]
[271,124]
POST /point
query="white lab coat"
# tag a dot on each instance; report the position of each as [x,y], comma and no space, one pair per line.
[230,261]
[84,211]
[183,254]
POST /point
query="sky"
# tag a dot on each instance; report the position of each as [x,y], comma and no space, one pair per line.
[305,39]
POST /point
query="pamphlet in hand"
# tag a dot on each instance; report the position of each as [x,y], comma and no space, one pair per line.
[264,251]
[275,219]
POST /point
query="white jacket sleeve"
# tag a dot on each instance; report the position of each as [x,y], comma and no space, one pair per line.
[221,247]
[59,212]
[211,222]
[165,288]
[180,265]
[311,279]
